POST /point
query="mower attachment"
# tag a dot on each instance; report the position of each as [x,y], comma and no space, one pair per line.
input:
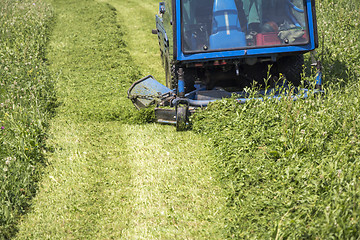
[147,91]
[172,109]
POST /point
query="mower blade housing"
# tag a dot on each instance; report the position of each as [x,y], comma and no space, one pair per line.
[147,91]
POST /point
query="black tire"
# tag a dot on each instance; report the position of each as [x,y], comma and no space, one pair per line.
[181,118]
[257,72]
[291,67]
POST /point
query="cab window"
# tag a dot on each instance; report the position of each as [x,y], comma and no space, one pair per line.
[236,24]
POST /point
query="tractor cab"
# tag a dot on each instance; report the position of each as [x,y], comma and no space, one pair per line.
[202,36]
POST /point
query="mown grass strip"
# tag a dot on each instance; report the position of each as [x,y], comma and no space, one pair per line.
[108,179]
[85,192]
[92,57]
[174,193]
[292,168]
[26,103]
[137,20]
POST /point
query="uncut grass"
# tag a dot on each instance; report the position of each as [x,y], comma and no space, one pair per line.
[292,168]
[26,103]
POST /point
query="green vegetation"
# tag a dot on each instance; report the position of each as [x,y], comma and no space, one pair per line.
[288,169]
[292,169]
[339,24]
[26,101]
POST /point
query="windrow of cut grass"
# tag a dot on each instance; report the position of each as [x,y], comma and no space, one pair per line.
[26,103]
[108,178]
[292,168]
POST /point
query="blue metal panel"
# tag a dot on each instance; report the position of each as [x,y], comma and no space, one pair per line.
[181,86]
[250,52]
[311,24]
[226,29]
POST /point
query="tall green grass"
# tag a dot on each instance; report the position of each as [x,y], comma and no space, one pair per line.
[339,24]
[292,169]
[26,101]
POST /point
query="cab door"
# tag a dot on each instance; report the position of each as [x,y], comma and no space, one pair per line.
[165,37]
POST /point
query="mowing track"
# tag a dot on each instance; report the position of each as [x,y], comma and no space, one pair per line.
[108,178]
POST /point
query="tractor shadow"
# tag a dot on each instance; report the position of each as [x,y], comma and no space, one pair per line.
[335,71]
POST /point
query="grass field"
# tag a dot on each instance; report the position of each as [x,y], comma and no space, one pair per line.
[91,169]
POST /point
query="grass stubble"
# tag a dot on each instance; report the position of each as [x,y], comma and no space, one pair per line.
[107,177]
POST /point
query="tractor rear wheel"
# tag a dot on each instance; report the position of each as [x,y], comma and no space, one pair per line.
[291,67]
[182,117]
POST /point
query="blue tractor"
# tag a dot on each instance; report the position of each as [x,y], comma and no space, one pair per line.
[212,49]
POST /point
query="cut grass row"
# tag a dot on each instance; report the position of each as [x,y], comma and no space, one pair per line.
[84,193]
[107,177]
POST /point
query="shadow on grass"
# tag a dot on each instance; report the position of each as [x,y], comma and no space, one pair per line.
[335,71]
